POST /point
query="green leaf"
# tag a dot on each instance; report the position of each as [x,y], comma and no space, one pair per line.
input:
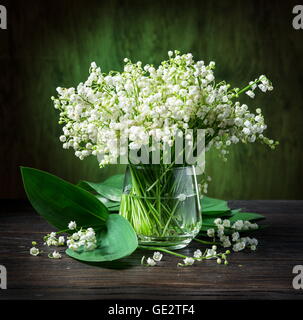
[208,223]
[212,206]
[110,188]
[115,181]
[116,241]
[246,216]
[110,205]
[60,202]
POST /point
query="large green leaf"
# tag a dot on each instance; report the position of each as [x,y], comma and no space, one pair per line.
[117,240]
[110,188]
[246,216]
[212,206]
[60,202]
[112,206]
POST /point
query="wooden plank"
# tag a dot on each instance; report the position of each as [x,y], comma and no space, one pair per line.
[264,274]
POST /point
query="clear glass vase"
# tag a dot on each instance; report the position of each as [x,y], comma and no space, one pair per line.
[162,203]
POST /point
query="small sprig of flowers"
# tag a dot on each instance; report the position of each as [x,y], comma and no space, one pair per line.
[34,251]
[52,240]
[82,239]
[233,237]
[187,261]
[264,86]
[151,262]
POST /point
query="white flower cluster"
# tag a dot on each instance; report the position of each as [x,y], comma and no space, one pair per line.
[151,262]
[84,238]
[244,242]
[52,240]
[148,103]
[264,86]
[227,240]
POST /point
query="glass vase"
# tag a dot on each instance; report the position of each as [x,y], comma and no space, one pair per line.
[162,203]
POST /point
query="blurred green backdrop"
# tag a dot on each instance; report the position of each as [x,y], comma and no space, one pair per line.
[51,44]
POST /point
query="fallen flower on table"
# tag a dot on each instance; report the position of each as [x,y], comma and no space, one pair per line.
[55,255]
[34,251]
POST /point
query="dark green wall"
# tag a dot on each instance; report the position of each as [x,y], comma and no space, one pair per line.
[51,43]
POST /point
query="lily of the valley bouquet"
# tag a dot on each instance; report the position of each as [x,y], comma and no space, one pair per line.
[154,119]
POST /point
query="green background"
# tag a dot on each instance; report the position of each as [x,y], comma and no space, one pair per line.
[52,44]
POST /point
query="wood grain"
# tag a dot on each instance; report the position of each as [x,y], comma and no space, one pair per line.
[264,274]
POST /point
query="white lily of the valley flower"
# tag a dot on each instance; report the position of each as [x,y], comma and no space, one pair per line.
[211,233]
[188,261]
[157,256]
[198,254]
[72,225]
[34,251]
[226,223]
[239,246]
[76,236]
[90,246]
[235,236]
[210,254]
[226,243]
[220,227]
[238,225]
[151,262]
[73,246]
[250,93]
[61,241]
[218,221]
[55,255]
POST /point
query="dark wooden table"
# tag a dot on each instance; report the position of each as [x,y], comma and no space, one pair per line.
[264,274]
